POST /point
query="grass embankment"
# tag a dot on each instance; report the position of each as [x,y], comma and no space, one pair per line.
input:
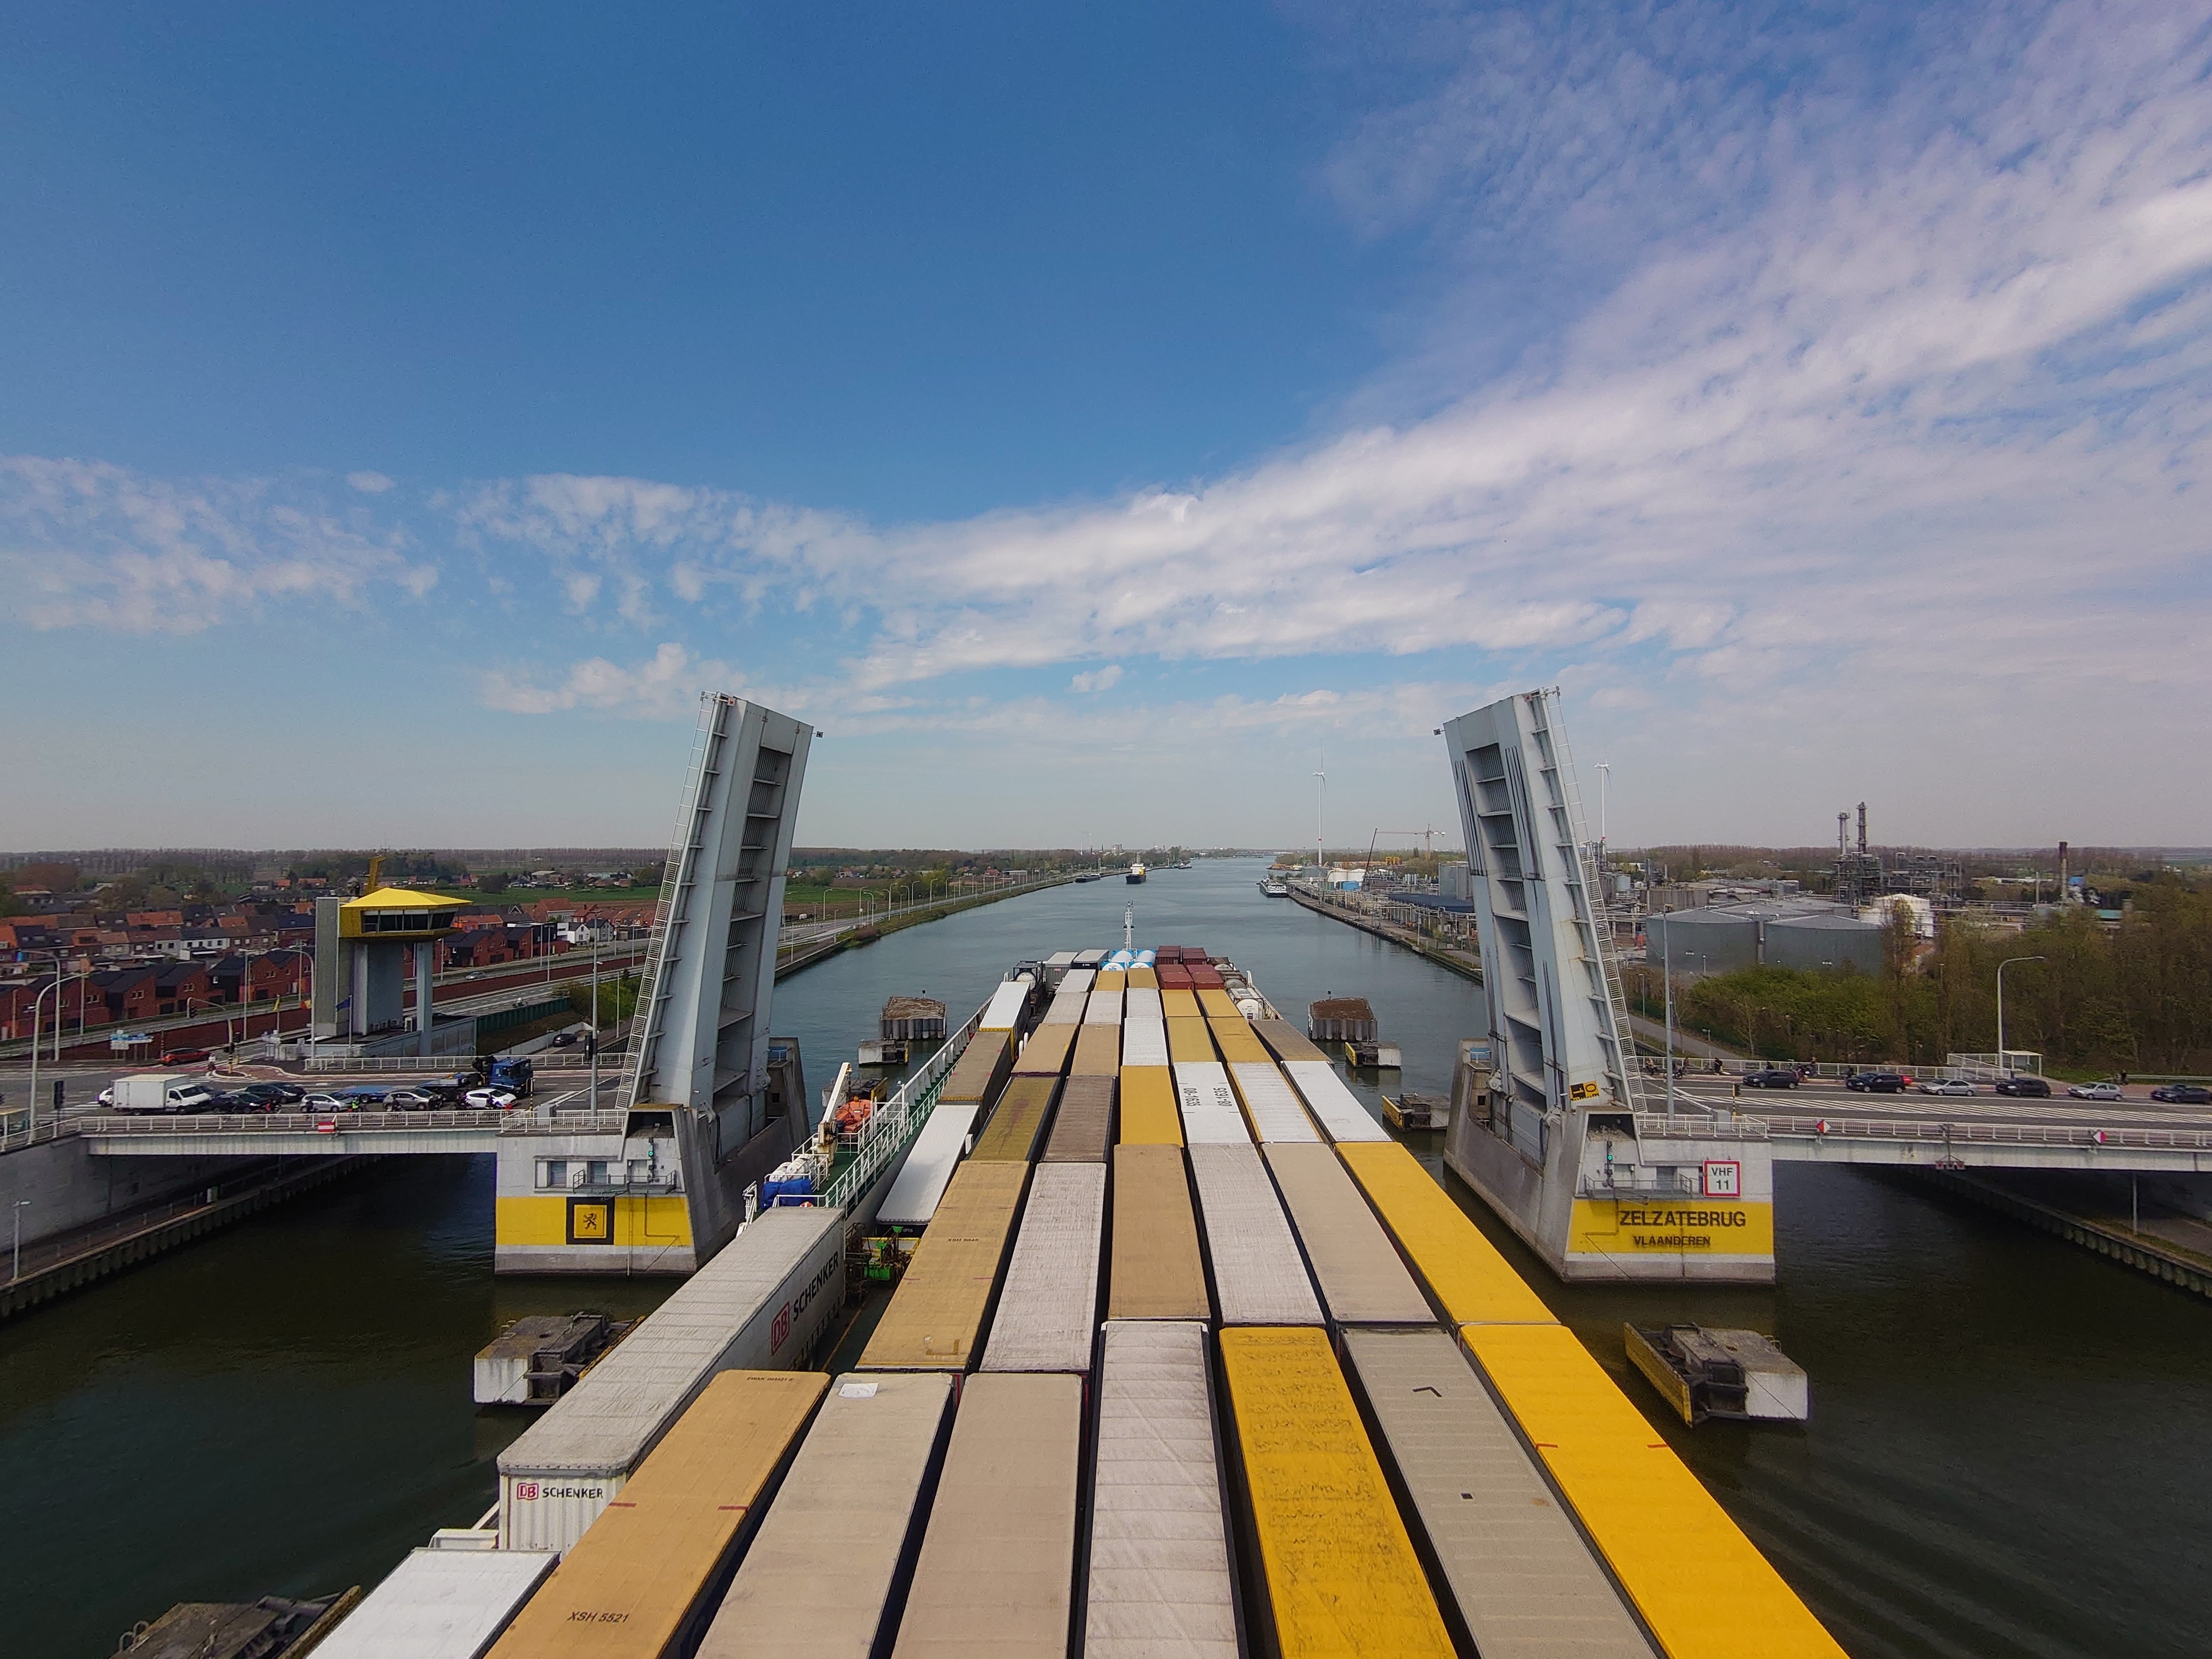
[921,914]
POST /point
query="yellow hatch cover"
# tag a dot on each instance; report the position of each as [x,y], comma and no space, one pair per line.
[1463,1269]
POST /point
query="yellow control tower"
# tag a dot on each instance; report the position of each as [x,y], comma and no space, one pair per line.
[361,946]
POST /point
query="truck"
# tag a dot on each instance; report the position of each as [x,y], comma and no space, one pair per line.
[162,1092]
[511,1071]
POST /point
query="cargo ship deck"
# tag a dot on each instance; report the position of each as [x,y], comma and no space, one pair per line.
[1188,1356]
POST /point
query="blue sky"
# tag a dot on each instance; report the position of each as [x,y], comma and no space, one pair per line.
[1093,420]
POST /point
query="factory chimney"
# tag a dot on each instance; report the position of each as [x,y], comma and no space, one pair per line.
[2064,892]
[1862,829]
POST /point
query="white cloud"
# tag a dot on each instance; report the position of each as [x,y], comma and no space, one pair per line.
[1098,679]
[88,544]
[665,684]
[370,483]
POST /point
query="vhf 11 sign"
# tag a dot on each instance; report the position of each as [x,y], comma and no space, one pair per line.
[1724,1178]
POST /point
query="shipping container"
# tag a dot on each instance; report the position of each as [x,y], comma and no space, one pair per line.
[1465,1274]
[1143,1042]
[1271,1104]
[1048,1310]
[758,1304]
[1143,976]
[1258,1277]
[1286,1041]
[983,1067]
[1078,978]
[996,1574]
[1149,1115]
[1237,1044]
[1701,1584]
[935,1319]
[1191,1040]
[1082,1123]
[1206,979]
[1156,1272]
[1337,1110]
[1045,1054]
[1105,1005]
[1110,979]
[1008,1004]
[1217,1003]
[930,1162]
[1339,1570]
[1017,1122]
[823,1574]
[1067,1008]
[1524,1581]
[1179,1005]
[647,1577]
[440,1604]
[1208,1104]
[1097,1052]
[1057,964]
[1158,1581]
[1138,1002]
[1362,1281]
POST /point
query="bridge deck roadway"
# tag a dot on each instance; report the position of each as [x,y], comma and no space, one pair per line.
[1938,1133]
[331,1134]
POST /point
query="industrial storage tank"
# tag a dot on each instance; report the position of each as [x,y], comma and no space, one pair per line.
[1701,941]
[1820,942]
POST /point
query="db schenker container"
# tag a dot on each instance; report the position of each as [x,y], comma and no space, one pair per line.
[758,1305]
[1048,1310]
[1270,1103]
[1339,1570]
[440,1604]
[1143,1042]
[936,1315]
[1045,1054]
[997,1569]
[1149,1116]
[1463,1270]
[1701,1585]
[1336,1109]
[823,1574]
[1159,1581]
[1156,1272]
[1017,1121]
[1208,1104]
[1082,1123]
[1097,1052]
[936,1153]
[1523,1580]
[1362,1281]
[647,1577]
[1258,1277]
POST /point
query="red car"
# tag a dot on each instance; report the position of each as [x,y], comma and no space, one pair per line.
[186,1056]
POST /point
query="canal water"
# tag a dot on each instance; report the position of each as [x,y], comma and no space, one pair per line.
[2008,1455]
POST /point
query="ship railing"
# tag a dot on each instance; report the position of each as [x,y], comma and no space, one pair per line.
[892,1126]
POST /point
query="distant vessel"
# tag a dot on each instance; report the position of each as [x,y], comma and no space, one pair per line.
[1136,875]
[1274,889]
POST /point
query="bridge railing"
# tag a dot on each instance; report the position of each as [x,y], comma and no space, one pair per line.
[893,1125]
[1927,1131]
[161,1124]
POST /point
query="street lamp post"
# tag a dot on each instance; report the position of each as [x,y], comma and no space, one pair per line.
[31,1123]
[15,1269]
[2001,966]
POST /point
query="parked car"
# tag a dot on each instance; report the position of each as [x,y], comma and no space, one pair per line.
[408,1100]
[2096,1091]
[233,1101]
[1947,1086]
[186,1056]
[1774,1077]
[364,1094]
[2024,1088]
[275,1094]
[2182,1094]
[1878,1083]
[490,1099]
[563,1039]
[325,1103]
